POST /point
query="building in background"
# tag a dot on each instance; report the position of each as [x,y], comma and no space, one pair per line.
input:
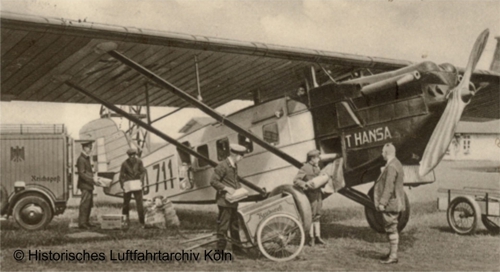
[475,141]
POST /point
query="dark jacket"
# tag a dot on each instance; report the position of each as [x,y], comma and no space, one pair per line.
[131,170]
[85,174]
[225,175]
[388,189]
[306,173]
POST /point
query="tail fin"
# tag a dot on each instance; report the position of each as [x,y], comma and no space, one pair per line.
[112,145]
[495,62]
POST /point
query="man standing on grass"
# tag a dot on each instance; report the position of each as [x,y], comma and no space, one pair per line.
[389,199]
[132,169]
[86,185]
[225,181]
[309,171]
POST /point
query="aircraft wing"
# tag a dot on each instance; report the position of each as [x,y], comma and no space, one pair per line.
[38,54]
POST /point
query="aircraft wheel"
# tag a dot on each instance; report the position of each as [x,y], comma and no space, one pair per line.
[492,223]
[32,212]
[4,199]
[376,221]
[463,215]
[301,201]
[280,237]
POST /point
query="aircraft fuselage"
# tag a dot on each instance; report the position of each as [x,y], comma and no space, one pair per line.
[336,118]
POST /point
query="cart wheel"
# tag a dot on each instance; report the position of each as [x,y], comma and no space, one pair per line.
[463,215]
[32,212]
[492,223]
[280,237]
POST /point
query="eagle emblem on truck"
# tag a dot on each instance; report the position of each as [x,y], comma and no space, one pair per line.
[17,154]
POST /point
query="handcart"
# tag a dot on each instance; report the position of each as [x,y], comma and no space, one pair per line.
[465,207]
[273,225]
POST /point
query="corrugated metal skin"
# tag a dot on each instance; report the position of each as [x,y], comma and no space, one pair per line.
[38,54]
[36,51]
[43,164]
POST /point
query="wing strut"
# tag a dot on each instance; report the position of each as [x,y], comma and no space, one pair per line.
[206,109]
[159,133]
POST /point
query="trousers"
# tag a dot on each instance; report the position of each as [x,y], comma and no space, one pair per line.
[138,203]
[86,203]
[227,220]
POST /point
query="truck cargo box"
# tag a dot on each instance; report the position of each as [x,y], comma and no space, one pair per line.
[40,156]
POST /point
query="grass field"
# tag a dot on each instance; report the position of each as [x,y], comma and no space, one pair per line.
[427,243]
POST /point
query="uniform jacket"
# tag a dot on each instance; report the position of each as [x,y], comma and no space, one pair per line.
[85,174]
[225,175]
[131,170]
[388,189]
[306,173]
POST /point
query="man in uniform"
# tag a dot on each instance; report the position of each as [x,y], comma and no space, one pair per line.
[86,185]
[132,169]
[225,181]
[389,199]
[309,171]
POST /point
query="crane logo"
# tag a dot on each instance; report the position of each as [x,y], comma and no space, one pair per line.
[17,154]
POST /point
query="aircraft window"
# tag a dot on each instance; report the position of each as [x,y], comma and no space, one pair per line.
[244,141]
[222,149]
[183,155]
[270,133]
[203,150]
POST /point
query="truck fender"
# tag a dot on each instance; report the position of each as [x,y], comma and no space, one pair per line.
[16,196]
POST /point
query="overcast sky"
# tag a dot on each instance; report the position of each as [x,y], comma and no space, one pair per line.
[439,31]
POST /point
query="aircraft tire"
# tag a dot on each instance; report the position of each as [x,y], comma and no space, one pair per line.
[491,223]
[376,221]
[301,201]
[3,199]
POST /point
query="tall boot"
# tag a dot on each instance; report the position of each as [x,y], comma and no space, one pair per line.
[317,230]
[311,235]
[393,254]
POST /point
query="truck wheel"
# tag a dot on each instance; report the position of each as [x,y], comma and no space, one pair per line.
[463,215]
[4,198]
[32,212]
[376,221]
[301,201]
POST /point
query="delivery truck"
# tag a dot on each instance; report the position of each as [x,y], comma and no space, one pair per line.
[36,173]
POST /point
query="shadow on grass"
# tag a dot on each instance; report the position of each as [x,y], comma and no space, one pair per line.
[192,221]
[447,229]
[406,242]
[366,234]
[55,233]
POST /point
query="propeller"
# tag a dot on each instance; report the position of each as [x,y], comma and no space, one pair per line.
[458,98]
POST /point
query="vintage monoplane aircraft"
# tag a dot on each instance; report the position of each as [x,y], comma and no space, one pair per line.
[348,106]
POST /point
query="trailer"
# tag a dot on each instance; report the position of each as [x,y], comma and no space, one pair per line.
[465,207]
[36,172]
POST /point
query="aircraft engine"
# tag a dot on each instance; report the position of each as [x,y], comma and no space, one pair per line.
[458,98]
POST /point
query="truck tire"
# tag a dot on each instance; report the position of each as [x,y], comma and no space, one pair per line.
[4,198]
[301,201]
[32,212]
[376,221]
